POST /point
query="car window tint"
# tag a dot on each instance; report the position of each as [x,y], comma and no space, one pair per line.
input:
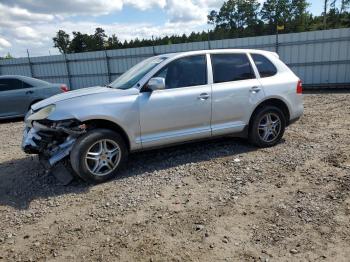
[14,84]
[10,84]
[264,65]
[3,84]
[26,85]
[186,71]
[231,67]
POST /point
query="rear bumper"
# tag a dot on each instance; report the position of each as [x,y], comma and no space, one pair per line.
[296,107]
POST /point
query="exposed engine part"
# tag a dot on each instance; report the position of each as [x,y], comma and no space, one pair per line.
[52,140]
[58,128]
[29,136]
[62,151]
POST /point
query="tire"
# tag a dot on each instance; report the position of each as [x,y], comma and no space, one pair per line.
[91,156]
[261,125]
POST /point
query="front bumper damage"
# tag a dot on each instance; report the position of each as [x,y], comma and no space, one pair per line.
[51,140]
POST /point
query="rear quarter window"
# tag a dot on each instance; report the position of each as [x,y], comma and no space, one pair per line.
[265,67]
[26,85]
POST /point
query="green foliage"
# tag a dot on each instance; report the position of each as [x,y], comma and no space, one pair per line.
[7,56]
[62,41]
[240,16]
[235,18]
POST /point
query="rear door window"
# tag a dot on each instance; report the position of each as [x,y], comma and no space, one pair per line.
[184,72]
[231,67]
[265,67]
[3,85]
[7,84]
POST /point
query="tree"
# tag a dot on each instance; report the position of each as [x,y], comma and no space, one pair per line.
[300,17]
[113,42]
[62,41]
[325,6]
[276,12]
[345,4]
[80,43]
[235,14]
[335,14]
[7,56]
[99,39]
[235,18]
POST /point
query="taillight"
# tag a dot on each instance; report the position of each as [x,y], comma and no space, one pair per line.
[299,87]
[64,88]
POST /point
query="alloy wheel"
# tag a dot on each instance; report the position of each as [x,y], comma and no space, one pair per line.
[269,127]
[103,157]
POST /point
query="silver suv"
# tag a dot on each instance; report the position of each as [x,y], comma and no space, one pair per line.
[164,100]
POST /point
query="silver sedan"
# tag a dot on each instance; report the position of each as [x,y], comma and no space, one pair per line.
[18,93]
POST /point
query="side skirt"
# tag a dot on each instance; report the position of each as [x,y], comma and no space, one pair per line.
[241,134]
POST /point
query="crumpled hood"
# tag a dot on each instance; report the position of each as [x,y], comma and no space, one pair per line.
[77,93]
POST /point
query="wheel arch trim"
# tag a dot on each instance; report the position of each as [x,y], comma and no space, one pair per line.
[274,101]
[109,124]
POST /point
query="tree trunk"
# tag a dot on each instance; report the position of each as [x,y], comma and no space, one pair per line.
[325,14]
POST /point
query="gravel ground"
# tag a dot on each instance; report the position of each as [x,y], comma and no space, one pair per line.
[221,200]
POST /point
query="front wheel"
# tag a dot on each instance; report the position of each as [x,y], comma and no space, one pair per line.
[98,155]
[267,126]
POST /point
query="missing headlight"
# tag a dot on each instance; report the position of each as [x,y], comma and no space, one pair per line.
[41,114]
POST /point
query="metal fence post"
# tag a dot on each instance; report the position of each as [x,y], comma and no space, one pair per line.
[108,67]
[68,71]
[153,48]
[30,65]
[209,44]
[276,48]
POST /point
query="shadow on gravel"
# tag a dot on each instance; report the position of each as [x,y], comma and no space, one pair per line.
[12,120]
[23,180]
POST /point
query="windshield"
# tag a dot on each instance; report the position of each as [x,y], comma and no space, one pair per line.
[134,74]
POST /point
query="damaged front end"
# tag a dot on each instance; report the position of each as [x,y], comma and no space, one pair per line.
[52,140]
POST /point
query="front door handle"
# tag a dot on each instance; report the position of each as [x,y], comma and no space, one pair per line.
[255,89]
[203,96]
[29,92]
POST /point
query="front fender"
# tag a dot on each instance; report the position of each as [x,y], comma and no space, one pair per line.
[123,111]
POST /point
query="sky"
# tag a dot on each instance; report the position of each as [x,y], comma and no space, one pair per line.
[31,24]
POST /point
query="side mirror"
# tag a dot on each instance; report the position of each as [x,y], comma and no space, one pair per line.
[156,83]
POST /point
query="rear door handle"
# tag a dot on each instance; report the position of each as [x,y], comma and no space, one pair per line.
[255,89]
[29,92]
[203,96]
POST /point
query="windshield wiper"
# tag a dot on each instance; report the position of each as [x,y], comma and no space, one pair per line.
[109,86]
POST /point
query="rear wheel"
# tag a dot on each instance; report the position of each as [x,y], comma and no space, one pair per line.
[267,127]
[98,155]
